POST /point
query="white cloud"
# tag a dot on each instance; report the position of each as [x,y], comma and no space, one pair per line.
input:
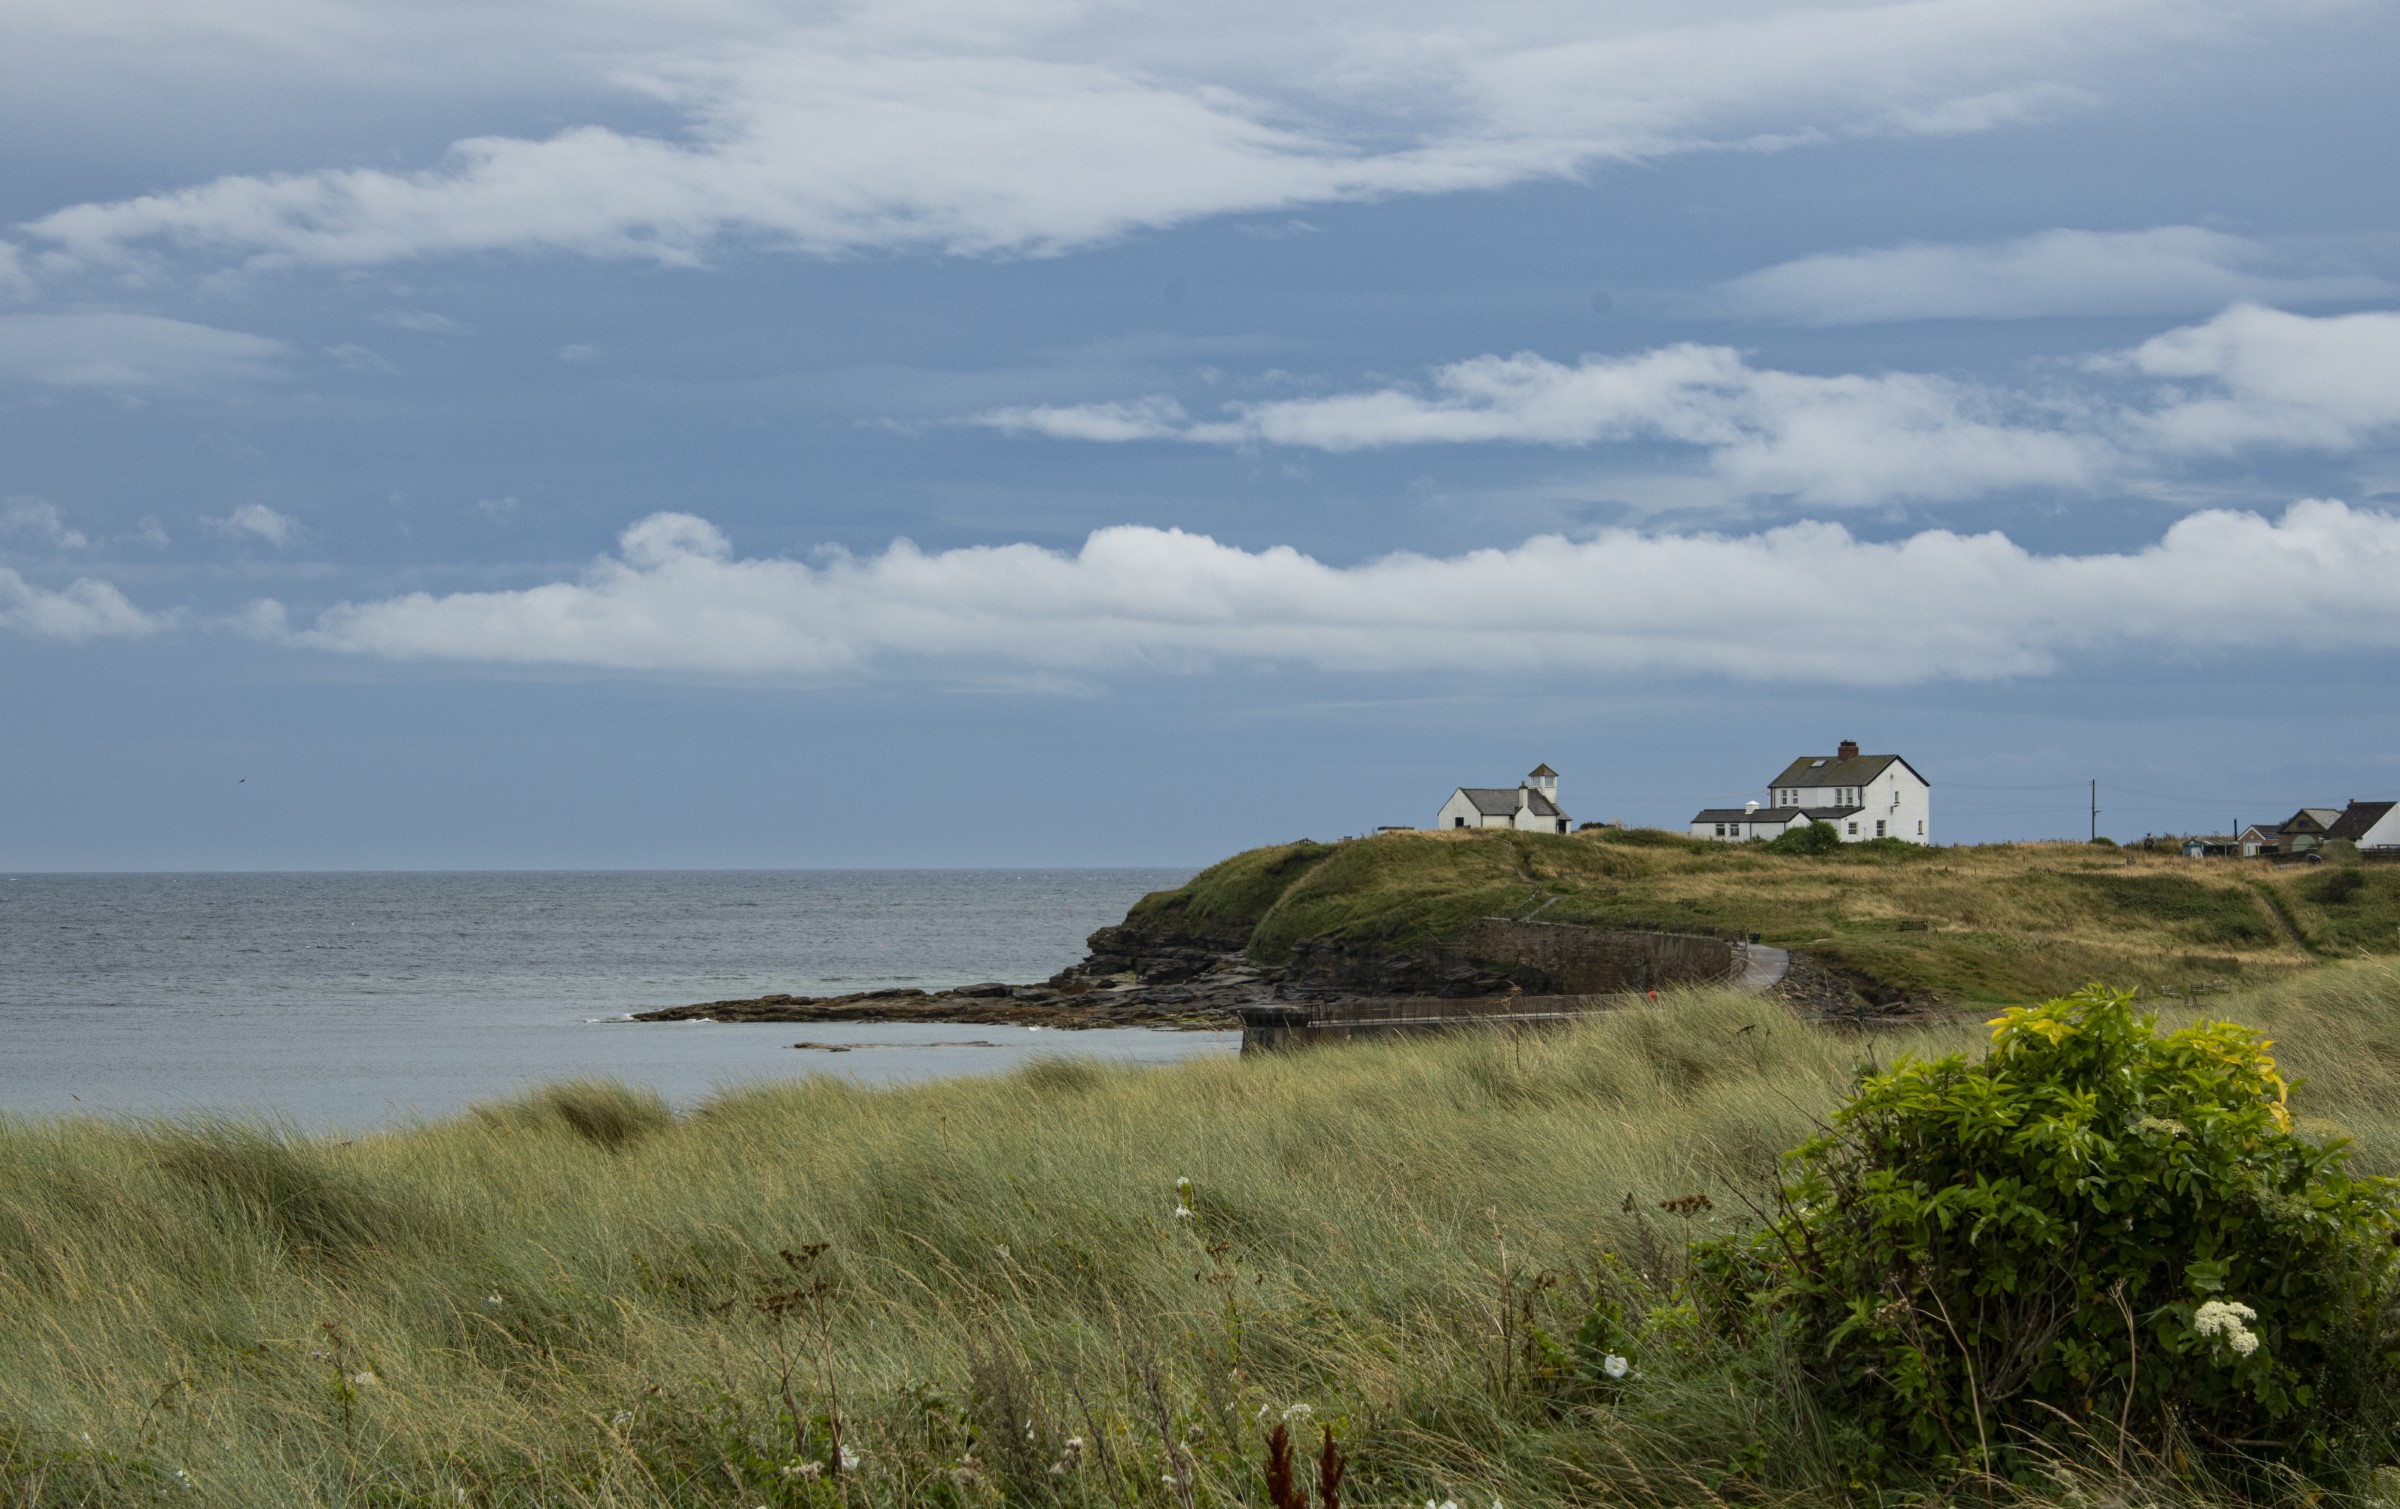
[39,520]
[132,353]
[424,322]
[15,281]
[2260,377]
[1807,602]
[2249,377]
[1841,441]
[1030,126]
[2169,269]
[84,609]
[258,519]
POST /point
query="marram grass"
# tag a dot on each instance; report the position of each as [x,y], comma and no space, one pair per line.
[982,1285]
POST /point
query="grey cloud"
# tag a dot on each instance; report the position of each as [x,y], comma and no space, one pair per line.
[123,352]
[2168,269]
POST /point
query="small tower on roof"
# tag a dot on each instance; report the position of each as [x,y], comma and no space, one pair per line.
[1544,780]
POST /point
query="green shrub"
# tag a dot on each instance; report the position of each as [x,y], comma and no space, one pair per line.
[2096,1228]
[2338,888]
[1808,838]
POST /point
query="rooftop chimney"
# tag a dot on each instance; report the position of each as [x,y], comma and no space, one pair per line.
[1848,751]
[1749,806]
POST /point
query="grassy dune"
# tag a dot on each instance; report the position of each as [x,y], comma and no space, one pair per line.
[2002,923]
[575,1299]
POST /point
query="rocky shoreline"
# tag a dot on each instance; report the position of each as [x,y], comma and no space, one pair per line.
[1129,980]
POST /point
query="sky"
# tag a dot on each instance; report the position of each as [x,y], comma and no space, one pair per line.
[1045,432]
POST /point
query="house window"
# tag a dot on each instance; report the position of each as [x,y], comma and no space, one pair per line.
[1458,822]
[1920,827]
[1854,830]
[1879,827]
[1720,830]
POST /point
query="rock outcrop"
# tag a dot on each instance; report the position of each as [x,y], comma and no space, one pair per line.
[1161,977]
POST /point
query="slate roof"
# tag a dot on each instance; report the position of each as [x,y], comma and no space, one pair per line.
[2357,818]
[2307,819]
[1544,769]
[1501,801]
[1771,814]
[1826,770]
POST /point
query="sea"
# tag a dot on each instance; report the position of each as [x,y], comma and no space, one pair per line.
[349,1001]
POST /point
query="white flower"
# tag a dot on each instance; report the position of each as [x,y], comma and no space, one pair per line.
[806,1471]
[364,1379]
[493,1300]
[850,1460]
[1005,1254]
[1614,1366]
[621,1418]
[1183,1212]
[2226,1318]
[1298,1414]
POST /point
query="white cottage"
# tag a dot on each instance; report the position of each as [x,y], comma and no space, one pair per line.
[1531,806]
[1863,796]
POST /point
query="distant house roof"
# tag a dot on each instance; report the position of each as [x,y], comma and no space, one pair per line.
[2357,818]
[1544,769]
[1772,814]
[2311,820]
[1826,770]
[1501,801]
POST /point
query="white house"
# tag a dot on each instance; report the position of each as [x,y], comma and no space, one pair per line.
[1863,796]
[1531,806]
[2370,825]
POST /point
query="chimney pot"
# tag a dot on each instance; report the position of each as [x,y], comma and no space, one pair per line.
[1848,751]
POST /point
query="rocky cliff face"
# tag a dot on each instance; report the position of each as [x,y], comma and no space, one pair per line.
[1153,975]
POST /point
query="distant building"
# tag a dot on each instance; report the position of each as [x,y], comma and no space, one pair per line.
[2306,829]
[2211,846]
[1530,806]
[2259,839]
[2373,826]
[1863,796]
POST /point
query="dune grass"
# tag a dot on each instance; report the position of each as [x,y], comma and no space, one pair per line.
[1988,925]
[575,1299]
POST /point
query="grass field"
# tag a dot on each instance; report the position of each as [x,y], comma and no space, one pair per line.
[576,1299]
[1987,925]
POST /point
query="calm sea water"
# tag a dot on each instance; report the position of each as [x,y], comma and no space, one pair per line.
[354,1000]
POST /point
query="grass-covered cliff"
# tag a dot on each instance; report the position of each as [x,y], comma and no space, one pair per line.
[1993,924]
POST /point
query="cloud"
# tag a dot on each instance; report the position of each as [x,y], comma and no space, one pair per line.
[2260,377]
[2249,377]
[981,127]
[84,609]
[1807,603]
[1841,441]
[39,520]
[2169,269]
[424,322]
[132,353]
[258,519]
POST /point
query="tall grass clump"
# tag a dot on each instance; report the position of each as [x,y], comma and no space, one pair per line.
[603,1112]
[1471,1259]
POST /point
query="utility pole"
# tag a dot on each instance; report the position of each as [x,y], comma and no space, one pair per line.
[2095,809]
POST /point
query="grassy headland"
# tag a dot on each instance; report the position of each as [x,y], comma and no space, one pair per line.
[2003,923]
[576,1299]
